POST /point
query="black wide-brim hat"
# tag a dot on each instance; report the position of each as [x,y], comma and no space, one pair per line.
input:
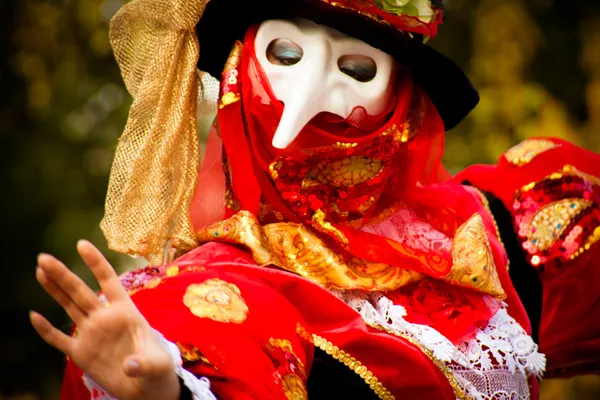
[225,21]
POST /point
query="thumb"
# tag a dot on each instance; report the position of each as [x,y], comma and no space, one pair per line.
[138,366]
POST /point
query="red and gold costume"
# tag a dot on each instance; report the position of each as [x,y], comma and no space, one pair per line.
[350,263]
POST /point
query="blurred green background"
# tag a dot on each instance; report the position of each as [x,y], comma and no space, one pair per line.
[63,106]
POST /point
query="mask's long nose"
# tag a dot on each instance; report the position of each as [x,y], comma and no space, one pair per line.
[305,102]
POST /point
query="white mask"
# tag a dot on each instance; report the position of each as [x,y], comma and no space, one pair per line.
[309,68]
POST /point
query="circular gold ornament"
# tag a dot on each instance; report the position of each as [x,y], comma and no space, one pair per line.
[217,300]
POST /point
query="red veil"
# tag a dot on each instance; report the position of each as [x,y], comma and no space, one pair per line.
[320,175]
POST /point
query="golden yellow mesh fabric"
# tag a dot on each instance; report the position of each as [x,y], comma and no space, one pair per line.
[157,159]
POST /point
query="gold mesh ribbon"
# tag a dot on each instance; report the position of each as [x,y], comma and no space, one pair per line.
[153,177]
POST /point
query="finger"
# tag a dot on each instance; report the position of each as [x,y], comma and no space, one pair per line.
[71,284]
[62,298]
[103,271]
[50,334]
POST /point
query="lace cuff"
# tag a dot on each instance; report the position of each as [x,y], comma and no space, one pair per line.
[198,387]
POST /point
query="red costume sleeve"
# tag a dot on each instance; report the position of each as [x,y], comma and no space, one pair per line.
[552,190]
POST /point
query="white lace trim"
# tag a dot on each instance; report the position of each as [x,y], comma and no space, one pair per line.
[493,366]
[199,387]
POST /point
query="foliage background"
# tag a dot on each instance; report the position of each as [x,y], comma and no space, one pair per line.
[63,105]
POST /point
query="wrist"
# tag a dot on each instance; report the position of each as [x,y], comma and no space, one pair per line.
[171,389]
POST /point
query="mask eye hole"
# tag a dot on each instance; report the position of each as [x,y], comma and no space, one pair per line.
[361,68]
[284,52]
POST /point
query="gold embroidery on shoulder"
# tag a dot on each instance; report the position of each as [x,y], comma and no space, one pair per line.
[474,265]
[552,220]
[354,365]
[217,300]
[526,151]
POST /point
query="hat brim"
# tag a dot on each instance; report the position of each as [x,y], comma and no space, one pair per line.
[225,21]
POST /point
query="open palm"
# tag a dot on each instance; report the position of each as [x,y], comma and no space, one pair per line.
[114,344]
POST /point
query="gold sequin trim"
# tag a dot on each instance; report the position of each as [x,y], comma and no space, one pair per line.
[567,170]
[523,153]
[356,366]
[217,300]
[319,223]
[458,390]
[235,57]
[302,332]
[343,145]
[594,237]
[590,241]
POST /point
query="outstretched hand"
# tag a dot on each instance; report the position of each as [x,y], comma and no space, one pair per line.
[114,344]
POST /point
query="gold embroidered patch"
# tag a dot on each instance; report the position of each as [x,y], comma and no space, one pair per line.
[552,220]
[217,300]
[474,265]
[526,151]
[347,172]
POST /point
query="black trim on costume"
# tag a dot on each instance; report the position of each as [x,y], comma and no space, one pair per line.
[331,379]
[524,277]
